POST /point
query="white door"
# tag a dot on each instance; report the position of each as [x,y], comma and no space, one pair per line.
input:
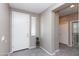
[20,31]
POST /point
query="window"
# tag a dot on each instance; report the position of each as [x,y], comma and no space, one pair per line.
[33,26]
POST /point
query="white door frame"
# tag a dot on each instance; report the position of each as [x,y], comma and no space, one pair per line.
[11,30]
[71,32]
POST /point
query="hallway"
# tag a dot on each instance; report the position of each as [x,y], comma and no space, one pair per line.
[67,51]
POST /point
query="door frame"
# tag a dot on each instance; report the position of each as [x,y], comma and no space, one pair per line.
[11,29]
[71,40]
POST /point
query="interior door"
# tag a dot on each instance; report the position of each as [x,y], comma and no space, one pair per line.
[75,33]
[20,30]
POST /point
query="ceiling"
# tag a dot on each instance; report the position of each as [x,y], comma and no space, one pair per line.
[67,10]
[31,7]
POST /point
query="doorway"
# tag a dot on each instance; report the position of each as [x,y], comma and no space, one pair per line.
[68,29]
[75,34]
[67,15]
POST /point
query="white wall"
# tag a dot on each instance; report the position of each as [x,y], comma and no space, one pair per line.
[4,29]
[56,32]
[45,34]
[48,29]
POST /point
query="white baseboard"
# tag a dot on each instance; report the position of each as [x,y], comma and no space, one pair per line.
[49,52]
[11,51]
[32,47]
[46,51]
[55,51]
[29,48]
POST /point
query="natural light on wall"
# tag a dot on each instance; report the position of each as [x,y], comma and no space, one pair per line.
[33,26]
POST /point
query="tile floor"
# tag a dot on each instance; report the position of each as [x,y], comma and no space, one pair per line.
[67,51]
[30,52]
[64,51]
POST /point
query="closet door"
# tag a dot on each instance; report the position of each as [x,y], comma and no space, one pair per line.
[20,30]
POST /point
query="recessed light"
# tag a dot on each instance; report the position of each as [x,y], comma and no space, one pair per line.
[71,6]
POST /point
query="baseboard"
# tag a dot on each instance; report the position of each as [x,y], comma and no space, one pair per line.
[23,49]
[11,52]
[46,51]
[52,54]
[32,47]
[55,52]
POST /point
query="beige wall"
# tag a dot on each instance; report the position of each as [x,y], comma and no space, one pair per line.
[4,29]
[67,20]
